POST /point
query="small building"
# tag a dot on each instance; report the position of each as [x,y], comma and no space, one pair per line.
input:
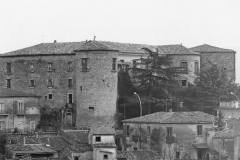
[176,135]
[103,143]
[18,110]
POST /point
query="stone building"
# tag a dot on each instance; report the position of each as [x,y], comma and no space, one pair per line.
[224,58]
[18,110]
[175,135]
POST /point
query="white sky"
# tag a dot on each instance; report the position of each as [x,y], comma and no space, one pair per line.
[190,22]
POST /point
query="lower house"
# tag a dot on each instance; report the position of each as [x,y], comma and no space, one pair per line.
[229,108]
[227,141]
[18,110]
[34,150]
[137,155]
[173,135]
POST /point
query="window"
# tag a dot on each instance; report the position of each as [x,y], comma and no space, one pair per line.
[50,96]
[114,64]
[32,83]
[8,83]
[169,131]
[128,130]
[178,155]
[9,68]
[50,65]
[196,69]
[2,125]
[20,108]
[148,130]
[31,66]
[70,82]
[70,66]
[134,64]
[32,125]
[199,130]
[85,64]
[2,107]
[70,98]
[98,139]
[76,158]
[105,156]
[49,83]
[184,83]
[184,65]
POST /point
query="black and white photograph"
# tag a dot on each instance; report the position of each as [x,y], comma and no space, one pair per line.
[119,80]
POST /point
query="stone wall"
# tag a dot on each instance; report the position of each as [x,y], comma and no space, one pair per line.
[96,89]
[225,61]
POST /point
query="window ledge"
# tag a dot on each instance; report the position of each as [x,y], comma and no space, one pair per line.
[32,87]
[49,70]
[49,87]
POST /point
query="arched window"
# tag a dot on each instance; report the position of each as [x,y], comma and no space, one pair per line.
[32,125]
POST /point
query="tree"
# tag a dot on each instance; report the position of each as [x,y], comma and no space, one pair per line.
[3,141]
[153,79]
[219,123]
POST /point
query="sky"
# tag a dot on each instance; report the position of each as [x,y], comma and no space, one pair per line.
[155,22]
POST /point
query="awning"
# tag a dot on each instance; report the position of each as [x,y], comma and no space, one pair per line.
[201,145]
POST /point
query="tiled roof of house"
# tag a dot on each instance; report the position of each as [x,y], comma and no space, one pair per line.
[5,92]
[226,133]
[81,147]
[138,155]
[70,47]
[17,147]
[174,49]
[209,49]
[173,117]
[78,135]
[105,145]
[55,142]
[93,46]
[103,130]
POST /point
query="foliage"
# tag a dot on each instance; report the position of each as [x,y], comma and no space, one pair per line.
[3,141]
[219,122]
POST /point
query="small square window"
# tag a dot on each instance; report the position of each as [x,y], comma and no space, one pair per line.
[184,83]
[50,96]
[70,82]
[98,139]
[50,83]
[105,156]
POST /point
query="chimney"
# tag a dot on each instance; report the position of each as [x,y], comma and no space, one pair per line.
[170,110]
[55,41]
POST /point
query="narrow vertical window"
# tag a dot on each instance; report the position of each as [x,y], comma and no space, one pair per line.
[105,157]
[128,131]
[184,83]
[32,83]
[84,64]
[20,109]
[70,98]
[148,130]
[50,66]
[70,82]
[199,130]
[2,107]
[196,68]
[8,83]
[169,131]
[70,66]
[50,96]
[114,64]
[9,68]
[134,64]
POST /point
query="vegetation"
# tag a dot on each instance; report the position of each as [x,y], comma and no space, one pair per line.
[3,141]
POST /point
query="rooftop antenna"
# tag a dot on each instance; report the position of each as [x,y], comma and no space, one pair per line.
[94,37]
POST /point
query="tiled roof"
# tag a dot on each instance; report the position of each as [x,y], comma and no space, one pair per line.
[138,155]
[174,49]
[69,47]
[17,147]
[209,49]
[226,133]
[78,135]
[105,145]
[81,147]
[173,117]
[200,145]
[5,92]
[103,130]
[93,46]
[56,142]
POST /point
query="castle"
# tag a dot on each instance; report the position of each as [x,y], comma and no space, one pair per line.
[82,77]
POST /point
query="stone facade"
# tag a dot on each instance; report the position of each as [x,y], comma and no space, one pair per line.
[21,112]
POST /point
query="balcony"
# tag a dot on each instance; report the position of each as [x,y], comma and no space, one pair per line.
[170,140]
[178,70]
[20,112]
[3,112]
